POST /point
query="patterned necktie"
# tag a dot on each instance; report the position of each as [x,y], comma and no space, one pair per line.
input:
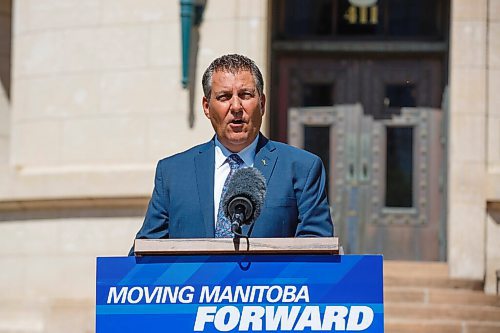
[223,225]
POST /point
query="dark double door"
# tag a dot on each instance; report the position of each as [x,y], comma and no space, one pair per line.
[377,124]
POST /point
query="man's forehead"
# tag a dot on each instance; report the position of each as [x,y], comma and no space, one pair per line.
[225,78]
[232,72]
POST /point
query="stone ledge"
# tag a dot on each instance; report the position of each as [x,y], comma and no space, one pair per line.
[62,203]
[75,183]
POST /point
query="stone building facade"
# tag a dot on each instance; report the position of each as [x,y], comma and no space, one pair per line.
[91,98]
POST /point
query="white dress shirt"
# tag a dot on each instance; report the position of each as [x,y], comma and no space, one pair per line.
[222,167]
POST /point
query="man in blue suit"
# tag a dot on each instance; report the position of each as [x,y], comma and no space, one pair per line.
[188,186]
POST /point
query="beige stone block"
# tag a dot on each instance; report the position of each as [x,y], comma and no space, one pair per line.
[69,315]
[6,178]
[84,49]
[132,11]
[467,183]
[44,277]
[142,92]
[252,9]
[4,152]
[57,96]
[471,147]
[165,45]
[47,276]
[105,48]
[494,45]
[468,44]
[112,139]
[24,238]
[20,17]
[494,142]
[493,89]
[218,38]
[469,10]
[12,283]
[494,10]
[217,10]
[21,316]
[161,143]
[253,44]
[161,127]
[39,53]
[468,91]
[50,14]
[36,143]
[97,236]
[466,240]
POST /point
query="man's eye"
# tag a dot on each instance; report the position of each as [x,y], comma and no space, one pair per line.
[223,98]
[246,95]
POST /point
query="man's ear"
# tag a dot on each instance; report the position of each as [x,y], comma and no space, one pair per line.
[263,104]
[204,104]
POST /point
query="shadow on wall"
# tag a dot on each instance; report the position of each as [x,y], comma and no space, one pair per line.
[494,212]
[495,215]
[5,43]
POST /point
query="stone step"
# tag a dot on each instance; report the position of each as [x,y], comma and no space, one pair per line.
[439,326]
[443,312]
[424,274]
[433,283]
[416,268]
[421,298]
[439,296]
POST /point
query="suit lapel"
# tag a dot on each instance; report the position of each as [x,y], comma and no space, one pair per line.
[204,166]
[265,161]
[265,157]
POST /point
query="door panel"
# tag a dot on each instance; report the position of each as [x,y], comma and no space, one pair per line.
[358,152]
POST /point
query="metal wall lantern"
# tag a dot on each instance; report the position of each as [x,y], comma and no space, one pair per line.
[191,15]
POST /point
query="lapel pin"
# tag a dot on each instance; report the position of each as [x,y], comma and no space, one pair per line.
[264,162]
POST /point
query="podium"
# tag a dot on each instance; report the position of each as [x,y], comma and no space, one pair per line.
[219,285]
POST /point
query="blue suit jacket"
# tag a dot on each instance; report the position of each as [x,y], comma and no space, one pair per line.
[182,204]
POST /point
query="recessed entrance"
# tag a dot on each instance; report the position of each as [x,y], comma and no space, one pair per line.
[362,87]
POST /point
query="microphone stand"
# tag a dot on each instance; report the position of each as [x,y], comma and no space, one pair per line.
[236,222]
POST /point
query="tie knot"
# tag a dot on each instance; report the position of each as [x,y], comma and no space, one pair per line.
[235,161]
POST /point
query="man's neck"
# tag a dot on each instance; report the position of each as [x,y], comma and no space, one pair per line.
[227,151]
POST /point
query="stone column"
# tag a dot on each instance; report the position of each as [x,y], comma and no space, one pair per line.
[467,139]
[493,184]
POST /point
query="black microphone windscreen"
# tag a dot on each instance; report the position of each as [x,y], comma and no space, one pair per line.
[248,183]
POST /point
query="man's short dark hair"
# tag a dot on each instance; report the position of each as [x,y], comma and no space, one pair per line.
[232,63]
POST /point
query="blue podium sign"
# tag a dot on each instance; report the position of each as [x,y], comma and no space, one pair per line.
[255,293]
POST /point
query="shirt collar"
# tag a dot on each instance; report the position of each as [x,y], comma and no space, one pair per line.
[247,154]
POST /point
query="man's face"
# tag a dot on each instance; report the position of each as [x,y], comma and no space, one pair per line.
[235,108]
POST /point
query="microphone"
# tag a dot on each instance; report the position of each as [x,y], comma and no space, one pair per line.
[244,197]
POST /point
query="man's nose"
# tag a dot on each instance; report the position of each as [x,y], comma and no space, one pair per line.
[236,103]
